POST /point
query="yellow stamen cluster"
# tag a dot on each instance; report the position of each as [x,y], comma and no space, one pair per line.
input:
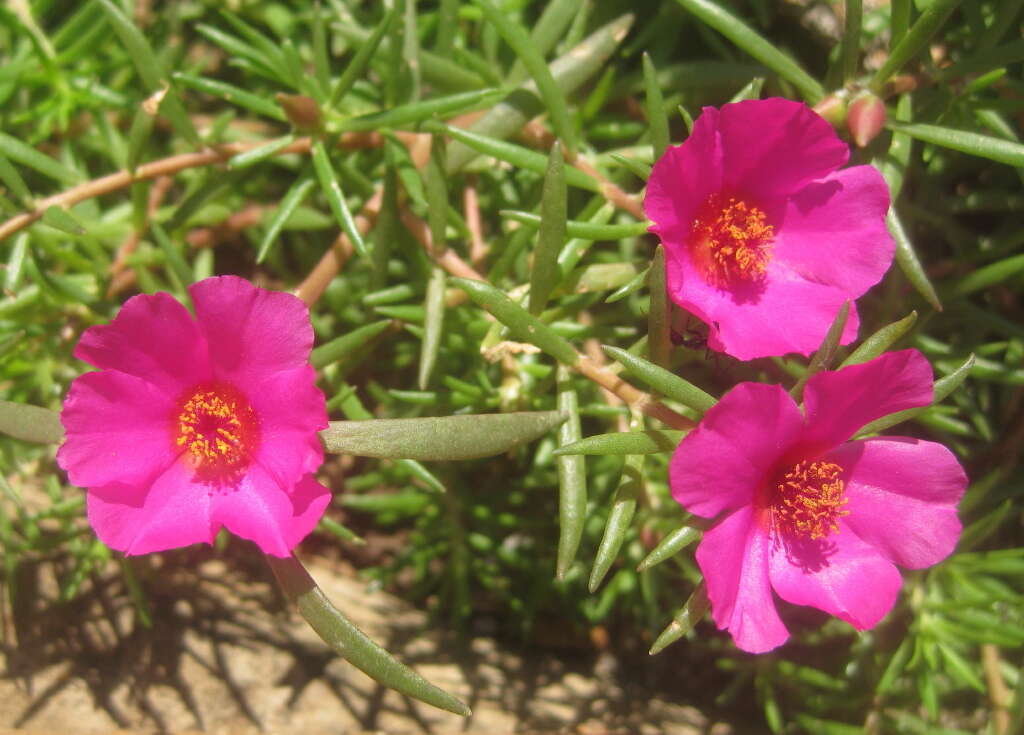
[218,430]
[730,241]
[808,500]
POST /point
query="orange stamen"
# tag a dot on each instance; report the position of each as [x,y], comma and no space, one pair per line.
[808,500]
[730,241]
[218,430]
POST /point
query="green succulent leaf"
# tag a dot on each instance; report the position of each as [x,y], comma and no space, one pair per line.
[651,441]
[30,423]
[441,438]
[345,639]
[684,620]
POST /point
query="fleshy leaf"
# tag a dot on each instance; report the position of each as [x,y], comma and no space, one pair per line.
[517,155]
[433,324]
[665,382]
[630,489]
[914,40]
[572,478]
[545,274]
[441,438]
[521,323]
[670,546]
[965,141]
[908,261]
[29,157]
[584,230]
[881,340]
[569,71]
[413,113]
[291,201]
[232,94]
[150,69]
[655,104]
[341,346]
[30,423]
[756,45]
[688,616]
[550,92]
[658,344]
[822,358]
[625,442]
[338,632]
[358,64]
[331,188]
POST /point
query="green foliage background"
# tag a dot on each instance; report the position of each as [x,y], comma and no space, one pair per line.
[78,86]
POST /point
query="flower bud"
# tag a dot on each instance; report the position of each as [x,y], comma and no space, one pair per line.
[833,109]
[303,112]
[866,119]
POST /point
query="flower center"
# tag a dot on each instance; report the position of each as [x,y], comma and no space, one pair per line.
[731,241]
[808,501]
[218,430]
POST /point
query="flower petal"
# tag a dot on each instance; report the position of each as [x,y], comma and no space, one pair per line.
[774,147]
[152,337]
[901,497]
[846,577]
[734,559]
[261,511]
[252,332]
[117,430]
[839,402]
[291,410]
[784,313]
[682,180]
[768,152]
[173,512]
[833,231]
[720,464]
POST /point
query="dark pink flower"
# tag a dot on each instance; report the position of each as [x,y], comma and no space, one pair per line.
[821,520]
[193,424]
[765,237]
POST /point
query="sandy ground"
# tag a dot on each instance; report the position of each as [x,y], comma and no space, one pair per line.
[224,655]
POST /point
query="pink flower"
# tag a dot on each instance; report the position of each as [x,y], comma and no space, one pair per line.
[193,424]
[818,518]
[765,237]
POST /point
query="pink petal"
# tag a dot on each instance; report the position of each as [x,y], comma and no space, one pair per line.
[772,148]
[901,497]
[787,313]
[291,410]
[173,512]
[721,464]
[682,180]
[117,430]
[833,231]
[152,337]
[840,402]
[848,579]
[261,511]
[251,331]
[734,559]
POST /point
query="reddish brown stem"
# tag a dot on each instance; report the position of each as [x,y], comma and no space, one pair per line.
[471,206]
[636,399]
[172,165]
[340,251]
[121,278]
